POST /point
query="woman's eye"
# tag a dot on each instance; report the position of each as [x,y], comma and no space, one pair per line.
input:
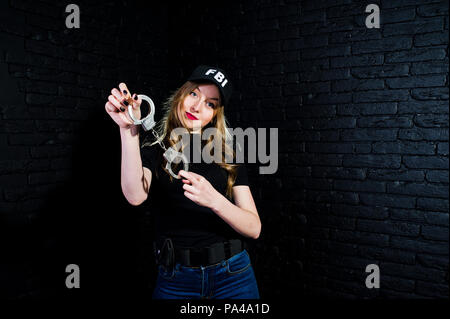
[211,104]
[193,93]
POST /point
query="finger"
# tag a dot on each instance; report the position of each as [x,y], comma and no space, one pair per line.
[186,181]
[136,101]
[110,108]
[191,189]
[120,97]
[192,197]
[116,103]
[199,177]
[124,90]
[187,176]
[117,94]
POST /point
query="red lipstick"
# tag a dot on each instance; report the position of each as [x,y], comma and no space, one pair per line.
[190,116]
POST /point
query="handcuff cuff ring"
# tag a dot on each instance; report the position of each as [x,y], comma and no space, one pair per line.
[148,123]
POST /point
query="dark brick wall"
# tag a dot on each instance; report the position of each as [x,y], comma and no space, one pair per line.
[363,131]
[363,140]
[61,200]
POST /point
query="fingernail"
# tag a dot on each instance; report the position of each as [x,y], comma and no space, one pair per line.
[125,102]
[125,92]
[136,97]
[122,109]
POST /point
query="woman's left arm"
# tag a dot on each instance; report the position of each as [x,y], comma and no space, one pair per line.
[242,217]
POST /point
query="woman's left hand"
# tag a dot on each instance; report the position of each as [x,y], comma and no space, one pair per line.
[199,190]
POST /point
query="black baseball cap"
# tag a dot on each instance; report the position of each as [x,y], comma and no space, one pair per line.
[216,76]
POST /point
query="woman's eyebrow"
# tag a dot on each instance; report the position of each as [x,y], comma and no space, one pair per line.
[209,98]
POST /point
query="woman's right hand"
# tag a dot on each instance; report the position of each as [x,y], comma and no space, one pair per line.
[117,106]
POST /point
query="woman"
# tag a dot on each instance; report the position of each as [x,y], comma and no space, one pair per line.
[202,218]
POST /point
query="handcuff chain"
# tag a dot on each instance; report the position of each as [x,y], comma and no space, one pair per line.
[160,142]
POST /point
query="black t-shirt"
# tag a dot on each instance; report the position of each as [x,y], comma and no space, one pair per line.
[175,215]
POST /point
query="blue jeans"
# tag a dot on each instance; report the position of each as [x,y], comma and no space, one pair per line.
[232,278]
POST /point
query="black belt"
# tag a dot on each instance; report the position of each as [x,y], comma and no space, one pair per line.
[192,257]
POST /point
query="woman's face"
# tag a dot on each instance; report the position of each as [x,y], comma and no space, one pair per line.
[199,106]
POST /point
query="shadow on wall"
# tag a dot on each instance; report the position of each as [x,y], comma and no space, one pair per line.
[88,222]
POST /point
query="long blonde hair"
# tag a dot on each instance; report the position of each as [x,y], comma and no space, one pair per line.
[171,121]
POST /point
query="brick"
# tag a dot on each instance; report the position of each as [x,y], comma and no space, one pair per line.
[442,149]
[354,35]
[430,94]
[429,67]
[362,148]
[359,186]
[329,136]
[295,89]
[385,121]
[381,161]
[416,81]
[433,162]
[388,227]
[423,134]
[338,172]
[415,54]
[437,176]
[386,4]
[328,148]
[357,85]
[380,96]
[333,196]
[380,71]
[387,254]
[428,39]
[430,261]
[412,271]
[404,147]
[329,51]
[311,111]
[428,107]
[436,218]
[358,60]
[383,45]
[432,10]
[410,215]
[435,232]
[328,124]
[420,246]
[358,134]
[415,27]
[435,204]
[380,240]
[428,120]
[373,212]
[396,15]
[332,98]
[424,190]
[395,175]
[387,200]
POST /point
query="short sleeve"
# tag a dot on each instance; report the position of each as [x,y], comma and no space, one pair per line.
[242,177]
[150,156]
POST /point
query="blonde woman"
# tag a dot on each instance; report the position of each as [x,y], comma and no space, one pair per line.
[202,217]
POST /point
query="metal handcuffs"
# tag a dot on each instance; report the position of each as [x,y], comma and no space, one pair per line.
[170,154]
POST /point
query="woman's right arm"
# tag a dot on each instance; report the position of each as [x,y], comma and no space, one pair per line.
[134,179]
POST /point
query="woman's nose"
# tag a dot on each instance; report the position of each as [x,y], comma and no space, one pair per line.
[196,106]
